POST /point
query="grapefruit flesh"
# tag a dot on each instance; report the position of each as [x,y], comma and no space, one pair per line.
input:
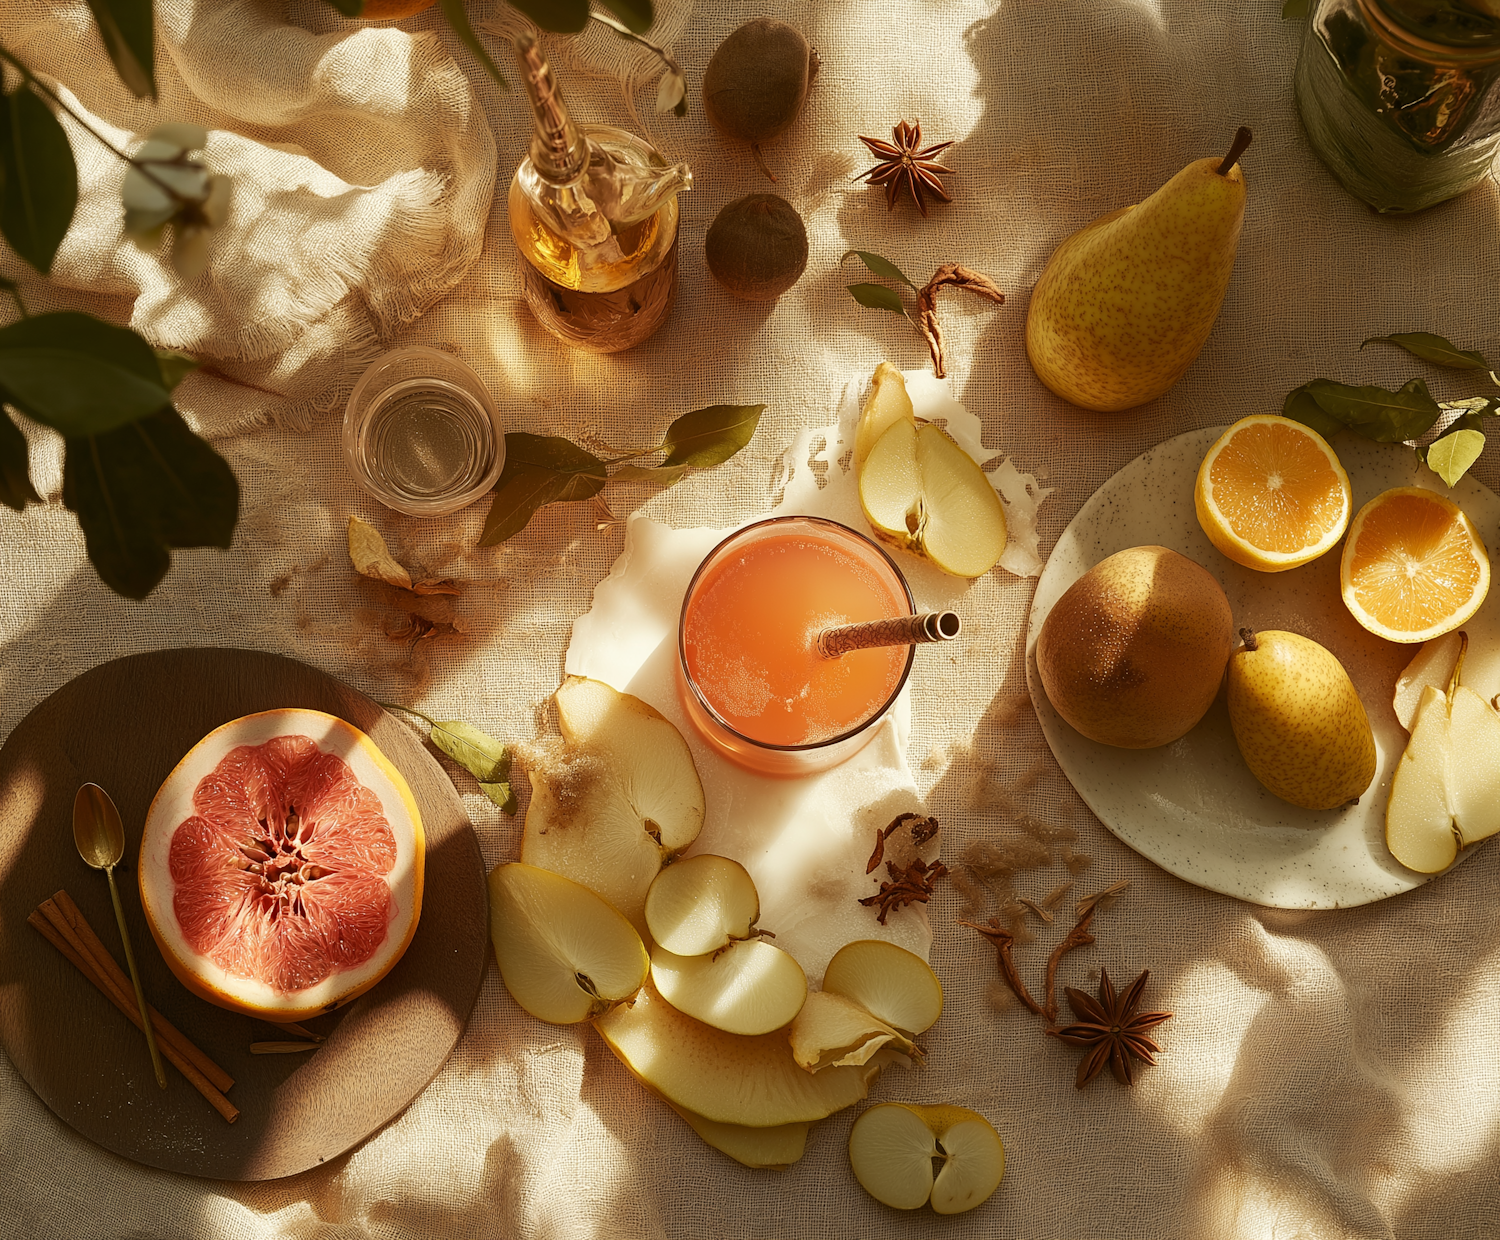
[281,865]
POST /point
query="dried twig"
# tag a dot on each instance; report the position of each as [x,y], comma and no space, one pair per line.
[1041,910]
[1078,936]
[1004,942]
[922,829]
[949,275]
[913,885]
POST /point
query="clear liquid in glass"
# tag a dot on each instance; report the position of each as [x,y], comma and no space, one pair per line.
[425,441]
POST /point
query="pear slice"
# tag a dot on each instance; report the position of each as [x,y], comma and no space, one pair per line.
[749,987]
[1432,665]
[892,1145]
[887,402]
[774,1149]
[701,904]
[723,1076]
[891,983]
[621,799]
[564,954]
[832,1031]
[923,493]
[1445,793]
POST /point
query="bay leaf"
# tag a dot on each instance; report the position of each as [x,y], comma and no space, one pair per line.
[1378,414]
[372,558]
[880,266]
[1434,349]
[539,470]
[1301,407]
[708,437]
[129,34]
[877,297]
[479,753]
[1451,456]
[636,14]
[502,794]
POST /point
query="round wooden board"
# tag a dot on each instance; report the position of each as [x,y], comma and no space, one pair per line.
[123,726]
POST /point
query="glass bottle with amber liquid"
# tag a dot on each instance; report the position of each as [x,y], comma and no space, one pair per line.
[593,211]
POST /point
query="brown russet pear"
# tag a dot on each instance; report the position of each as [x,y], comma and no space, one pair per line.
[1134,651]
[1126,304]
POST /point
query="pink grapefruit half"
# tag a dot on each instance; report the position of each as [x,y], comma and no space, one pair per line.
[281,865]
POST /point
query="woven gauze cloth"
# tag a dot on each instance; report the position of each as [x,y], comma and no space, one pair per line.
[362,169]
[1326,1076]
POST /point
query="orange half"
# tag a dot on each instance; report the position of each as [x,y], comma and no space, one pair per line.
[1414,567]
[1271,494]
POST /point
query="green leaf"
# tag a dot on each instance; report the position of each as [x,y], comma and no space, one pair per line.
[559,16]
[880,266]
[1435,349]
[16,490]
[174,366]
[877,297]
[539,470]
[129,35]
[479,753]
[349,8]
[708,437]
[1450,457]
[78,374]
[1385,417]
[501,794]
[1293,9]
[143,489]
[453,10]
[1301,407]
[636,14]
[39,178]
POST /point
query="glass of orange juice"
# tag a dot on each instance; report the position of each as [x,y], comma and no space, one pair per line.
[749,672]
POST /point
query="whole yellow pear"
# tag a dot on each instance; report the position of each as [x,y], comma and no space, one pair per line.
[1298,719]
[1134,652]
[1125,304]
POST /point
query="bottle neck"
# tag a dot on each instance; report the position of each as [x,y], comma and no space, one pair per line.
[559,151]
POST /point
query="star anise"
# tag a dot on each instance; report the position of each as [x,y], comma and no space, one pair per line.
[1112,1029]
[906,163]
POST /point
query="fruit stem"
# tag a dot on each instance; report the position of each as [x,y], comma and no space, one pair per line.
[1248,637]
[760,161]
[1242,138]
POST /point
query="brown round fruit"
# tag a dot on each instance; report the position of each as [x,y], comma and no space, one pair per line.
[1134,652]
[757,80]
[757,247]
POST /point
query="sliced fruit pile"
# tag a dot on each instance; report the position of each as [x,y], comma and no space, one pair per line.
[712,1017]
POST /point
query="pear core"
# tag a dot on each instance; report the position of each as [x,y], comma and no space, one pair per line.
[1133,653]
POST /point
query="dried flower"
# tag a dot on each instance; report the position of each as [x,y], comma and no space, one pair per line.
[904,162]
[913,885]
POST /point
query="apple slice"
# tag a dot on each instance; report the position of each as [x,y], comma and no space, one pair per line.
[923,493]
[701,904]
[774,1149]
[891,1148]
[749,987]
[564,954]
[887,402]
[1433,665]
[832,1031]
[891,983]
[622,798]
[723,1076]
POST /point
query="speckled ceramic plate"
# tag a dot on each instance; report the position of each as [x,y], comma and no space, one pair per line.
[1193,807]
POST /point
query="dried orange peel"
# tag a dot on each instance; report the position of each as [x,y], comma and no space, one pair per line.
[1271,494]
[1414,566]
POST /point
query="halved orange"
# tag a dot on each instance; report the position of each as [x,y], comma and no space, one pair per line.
[1414,567]
[1271,494]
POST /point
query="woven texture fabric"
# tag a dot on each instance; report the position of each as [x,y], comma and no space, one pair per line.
[1326,1076]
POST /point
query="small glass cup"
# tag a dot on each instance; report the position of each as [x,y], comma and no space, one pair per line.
[421,433]
[737,743]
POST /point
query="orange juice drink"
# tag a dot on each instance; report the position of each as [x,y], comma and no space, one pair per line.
[750,673]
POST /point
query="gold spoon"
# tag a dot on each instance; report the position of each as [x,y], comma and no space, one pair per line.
[100,837]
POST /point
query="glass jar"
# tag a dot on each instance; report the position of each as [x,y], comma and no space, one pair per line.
[1398,96]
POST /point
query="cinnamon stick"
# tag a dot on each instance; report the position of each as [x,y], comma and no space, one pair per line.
[52,923]
[105,965]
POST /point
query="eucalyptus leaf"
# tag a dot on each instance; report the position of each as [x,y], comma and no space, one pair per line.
[39,178]
[539,470]
[880,266]
[559,16]
[636,14]
[877,297]
[143,489]
[1375,413]
[1434,349]
[708,437]
[174,366]
[129,35]
[1451,456]
[458,18]
[16,490]
[1301,407]
[78,374]
[479,753]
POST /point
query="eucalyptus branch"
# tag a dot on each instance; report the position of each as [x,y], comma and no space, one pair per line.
[41,88]
[673,68]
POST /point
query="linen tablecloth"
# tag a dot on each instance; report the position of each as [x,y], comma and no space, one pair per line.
[1327,1076]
